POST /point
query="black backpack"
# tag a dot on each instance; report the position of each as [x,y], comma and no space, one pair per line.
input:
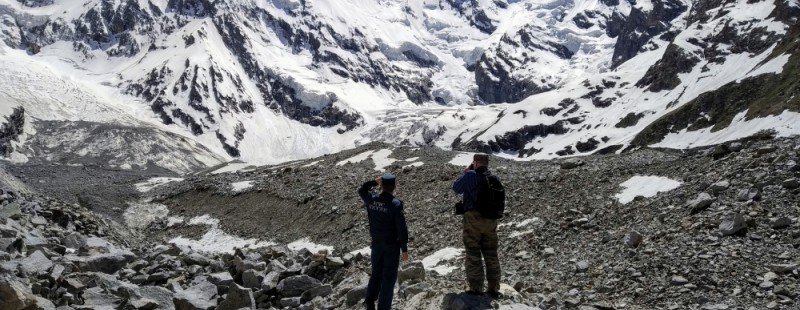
[491,201]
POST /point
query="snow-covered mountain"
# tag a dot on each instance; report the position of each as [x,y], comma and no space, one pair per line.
[198,82]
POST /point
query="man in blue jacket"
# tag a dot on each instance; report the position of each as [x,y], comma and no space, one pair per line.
[389,233]
[480,233]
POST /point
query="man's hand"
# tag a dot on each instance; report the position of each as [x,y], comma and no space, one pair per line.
[470,168]
[405,257]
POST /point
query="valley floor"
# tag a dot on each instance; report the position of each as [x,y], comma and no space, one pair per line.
[707,228]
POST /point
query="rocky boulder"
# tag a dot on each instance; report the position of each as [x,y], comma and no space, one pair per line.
[201,296]
[463,301]
[238,298]
[15,295]
[295,285]
[732,225]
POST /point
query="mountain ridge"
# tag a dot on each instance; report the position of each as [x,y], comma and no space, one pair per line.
[561,78]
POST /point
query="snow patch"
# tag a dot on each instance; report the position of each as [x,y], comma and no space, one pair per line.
[314,163]
[155,182]
[215,240]
[380,158]
[356,159]
[774,65]
[234,167]
[521,233]
[365,251]
[175,220]
[519,224]
[435,261]
[306,243]
[785,124]
[462,159]
[414,164]
[239,187]
[646,186]
[518,307]
[141,214]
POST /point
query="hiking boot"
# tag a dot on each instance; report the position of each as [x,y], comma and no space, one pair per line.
[495,295]
[369,305]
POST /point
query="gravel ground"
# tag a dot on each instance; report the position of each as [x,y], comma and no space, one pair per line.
[713,242]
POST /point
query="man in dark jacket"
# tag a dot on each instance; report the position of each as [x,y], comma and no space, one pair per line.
[389,233]
[480,233]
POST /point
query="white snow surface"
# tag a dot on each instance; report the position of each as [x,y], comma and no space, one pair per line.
[60,83]
[646,186]
[785,124]
[140,214]
[305,243]
[462,159]
[438,261]
[155,182]
[241,186]
[380,158]
[365,251]
[518,307]
[215,240]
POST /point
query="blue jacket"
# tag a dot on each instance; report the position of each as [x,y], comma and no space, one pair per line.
[387,223]
[467,185]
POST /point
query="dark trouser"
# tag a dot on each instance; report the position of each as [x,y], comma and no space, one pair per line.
[385,261]
[480,241]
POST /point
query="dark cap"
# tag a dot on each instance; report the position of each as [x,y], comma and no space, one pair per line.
[388,179]
[481,158]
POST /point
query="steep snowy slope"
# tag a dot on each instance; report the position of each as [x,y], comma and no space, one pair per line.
[270,81]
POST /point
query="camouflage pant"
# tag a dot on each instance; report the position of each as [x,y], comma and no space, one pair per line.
[480,241]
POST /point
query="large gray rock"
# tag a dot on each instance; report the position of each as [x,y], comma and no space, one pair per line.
[152,297]
[238,297]
[96,298]
[748,194]
[719,187]
[633,239]
[271,281]
[414,289]
[197,259]
[221,278]
[781,222]
[252,279]
[44,304]
[107,263]
[10,211]
[15,295]
[35,264]
[201,296]
[732,225]
[319,291]
[453,301]
[782,268]
[74,240]
[275,265]
[413,272]
[290,302]
[296,285]
[355,295]
[700,203]
[572,163]
[792,183]
[678,280]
